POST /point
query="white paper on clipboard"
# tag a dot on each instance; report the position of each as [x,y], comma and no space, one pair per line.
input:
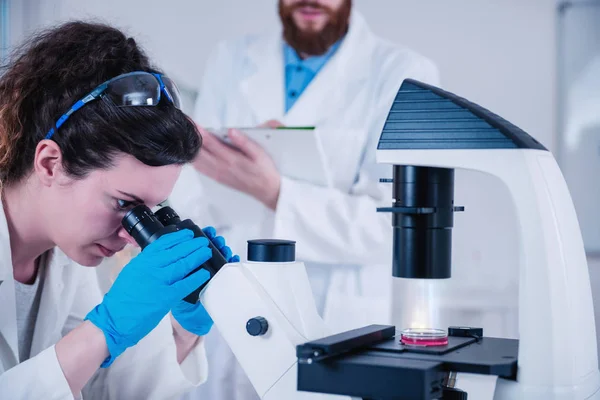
[297,152]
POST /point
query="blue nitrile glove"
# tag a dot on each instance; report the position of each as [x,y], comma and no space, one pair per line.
[148,287]
[219,243]
[193,317]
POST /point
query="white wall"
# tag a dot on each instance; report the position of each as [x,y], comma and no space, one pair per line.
[177,34]
[499,53]
[579,84]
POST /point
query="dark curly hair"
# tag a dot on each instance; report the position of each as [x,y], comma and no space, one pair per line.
[57,67]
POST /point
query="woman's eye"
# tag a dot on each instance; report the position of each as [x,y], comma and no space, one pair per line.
[123,204]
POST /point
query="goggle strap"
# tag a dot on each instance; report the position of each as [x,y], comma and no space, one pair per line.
[92,96]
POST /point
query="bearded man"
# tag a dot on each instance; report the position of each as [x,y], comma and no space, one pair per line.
[326,69]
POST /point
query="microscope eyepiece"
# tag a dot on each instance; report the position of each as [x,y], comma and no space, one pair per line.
[145,227]
[167,216]
[142,225]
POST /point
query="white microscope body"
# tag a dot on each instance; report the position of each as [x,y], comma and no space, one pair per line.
[279,294]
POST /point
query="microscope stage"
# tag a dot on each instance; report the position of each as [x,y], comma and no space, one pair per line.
[385,369]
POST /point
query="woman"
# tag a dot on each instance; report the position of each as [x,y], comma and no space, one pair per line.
[66,184]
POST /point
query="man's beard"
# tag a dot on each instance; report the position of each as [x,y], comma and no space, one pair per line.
[317,42]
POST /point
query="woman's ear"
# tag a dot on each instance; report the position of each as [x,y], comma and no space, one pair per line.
[47,163]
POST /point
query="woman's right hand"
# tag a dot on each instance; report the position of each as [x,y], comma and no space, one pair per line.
[148,287]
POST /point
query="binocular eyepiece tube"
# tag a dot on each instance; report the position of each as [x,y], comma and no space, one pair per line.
[145,227]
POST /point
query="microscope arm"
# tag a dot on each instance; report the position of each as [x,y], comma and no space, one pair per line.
[280,295]
[557,346]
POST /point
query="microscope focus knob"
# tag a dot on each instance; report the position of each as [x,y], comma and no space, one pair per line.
[257,326]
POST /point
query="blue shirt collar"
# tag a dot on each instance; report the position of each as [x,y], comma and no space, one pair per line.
[313,63]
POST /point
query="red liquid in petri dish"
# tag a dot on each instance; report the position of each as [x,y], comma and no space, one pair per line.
[424,337]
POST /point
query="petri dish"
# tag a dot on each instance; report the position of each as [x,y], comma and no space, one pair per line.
[424,337]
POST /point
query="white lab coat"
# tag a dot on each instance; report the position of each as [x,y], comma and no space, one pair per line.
[339,234]
[148,370]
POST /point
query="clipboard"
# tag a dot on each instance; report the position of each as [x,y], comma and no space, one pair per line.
[297,151]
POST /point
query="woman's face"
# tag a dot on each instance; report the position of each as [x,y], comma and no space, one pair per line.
[85,217]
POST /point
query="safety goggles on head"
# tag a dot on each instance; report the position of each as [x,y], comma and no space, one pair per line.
[137,88]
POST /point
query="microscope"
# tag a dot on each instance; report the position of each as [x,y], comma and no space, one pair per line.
[264,307]
[427,135]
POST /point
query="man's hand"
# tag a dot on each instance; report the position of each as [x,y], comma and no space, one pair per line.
[272,123]
[243,166]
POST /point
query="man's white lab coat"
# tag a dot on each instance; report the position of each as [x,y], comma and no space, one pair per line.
[345,243]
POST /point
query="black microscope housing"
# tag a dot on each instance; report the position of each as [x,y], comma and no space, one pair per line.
[145,227]
[423,217]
